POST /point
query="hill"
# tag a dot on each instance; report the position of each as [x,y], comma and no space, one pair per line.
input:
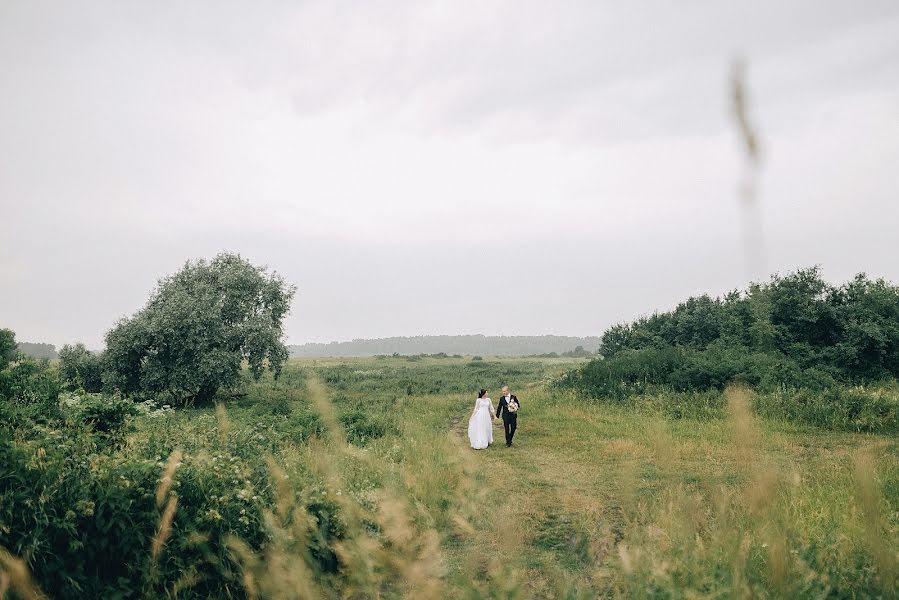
[518,345]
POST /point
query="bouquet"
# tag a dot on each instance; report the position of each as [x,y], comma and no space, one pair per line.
[512,406]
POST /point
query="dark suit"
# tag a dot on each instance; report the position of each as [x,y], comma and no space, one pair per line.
[510,419]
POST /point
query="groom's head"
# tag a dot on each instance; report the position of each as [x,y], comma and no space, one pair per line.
[505,390]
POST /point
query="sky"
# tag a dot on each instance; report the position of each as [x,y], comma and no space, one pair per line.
[506,168]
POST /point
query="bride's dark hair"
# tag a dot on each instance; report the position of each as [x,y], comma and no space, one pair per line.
[481,394]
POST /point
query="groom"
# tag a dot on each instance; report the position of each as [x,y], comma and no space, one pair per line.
[508,409]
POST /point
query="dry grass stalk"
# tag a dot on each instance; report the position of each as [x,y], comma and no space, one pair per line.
[185,582]
[224,424]
[165,482]
[765,482]
[740,106]
[165,527]
[662,444]
[752,218]
[401,554]
[280,573]
[742,426]
[868,496]
[319,397]
[15,576]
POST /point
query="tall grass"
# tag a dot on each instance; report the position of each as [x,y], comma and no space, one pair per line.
[273,495]
[755,539]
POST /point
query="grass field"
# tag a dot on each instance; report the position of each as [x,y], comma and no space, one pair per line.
[360,475]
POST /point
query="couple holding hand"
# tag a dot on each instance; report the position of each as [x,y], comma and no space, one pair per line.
[480,425]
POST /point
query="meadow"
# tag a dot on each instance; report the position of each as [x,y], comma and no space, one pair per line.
[353,478]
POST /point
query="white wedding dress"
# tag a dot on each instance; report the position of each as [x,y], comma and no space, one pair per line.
[480,425]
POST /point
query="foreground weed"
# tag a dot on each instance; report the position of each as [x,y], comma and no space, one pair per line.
[15,577]
[380,549]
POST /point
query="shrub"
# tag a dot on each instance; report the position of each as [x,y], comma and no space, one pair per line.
[87,517]
[7,347]
[81,368]
[31,387]
[109,416]
[362,427]
[279,406]
[849,333]
[91,533]
[305,424]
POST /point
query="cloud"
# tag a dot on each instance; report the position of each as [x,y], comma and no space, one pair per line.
[382,155]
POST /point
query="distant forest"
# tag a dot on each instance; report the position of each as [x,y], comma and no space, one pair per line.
[37,350]
[519,345]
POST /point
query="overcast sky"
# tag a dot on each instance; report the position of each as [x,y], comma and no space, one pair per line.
[437,167]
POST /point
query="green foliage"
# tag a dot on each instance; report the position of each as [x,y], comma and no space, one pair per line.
[838,408]
[109,416]
[7,347]
[794,333]
[362,426]
[699,406]
[69,516]
[32,386]
[199,326]
[81,368]
[70,500]
[267,496]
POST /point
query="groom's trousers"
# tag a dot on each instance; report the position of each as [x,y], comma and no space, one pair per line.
[510,423]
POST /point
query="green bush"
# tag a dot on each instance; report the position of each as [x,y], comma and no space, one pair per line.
[795,338]
[85,518]
[69,517]
[305,424]
[109,416]
[362,426]
[81,368]
[7,347]
[850,332]
[31,388]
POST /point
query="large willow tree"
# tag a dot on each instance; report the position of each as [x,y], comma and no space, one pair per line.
[197,329]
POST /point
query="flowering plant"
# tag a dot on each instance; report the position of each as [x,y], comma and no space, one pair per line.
[512,406]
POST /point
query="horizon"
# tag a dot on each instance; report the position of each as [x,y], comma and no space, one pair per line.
[350,341]
[288,342]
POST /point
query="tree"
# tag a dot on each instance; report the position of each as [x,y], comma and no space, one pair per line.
[7,347]
[795,330]
[197,329]
[80,367]
[868,313]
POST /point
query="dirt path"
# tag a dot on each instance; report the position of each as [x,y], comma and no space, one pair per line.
[541,519]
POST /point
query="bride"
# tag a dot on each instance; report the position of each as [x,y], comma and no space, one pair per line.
[480,425]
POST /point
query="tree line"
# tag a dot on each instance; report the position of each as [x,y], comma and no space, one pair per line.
[795,330]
